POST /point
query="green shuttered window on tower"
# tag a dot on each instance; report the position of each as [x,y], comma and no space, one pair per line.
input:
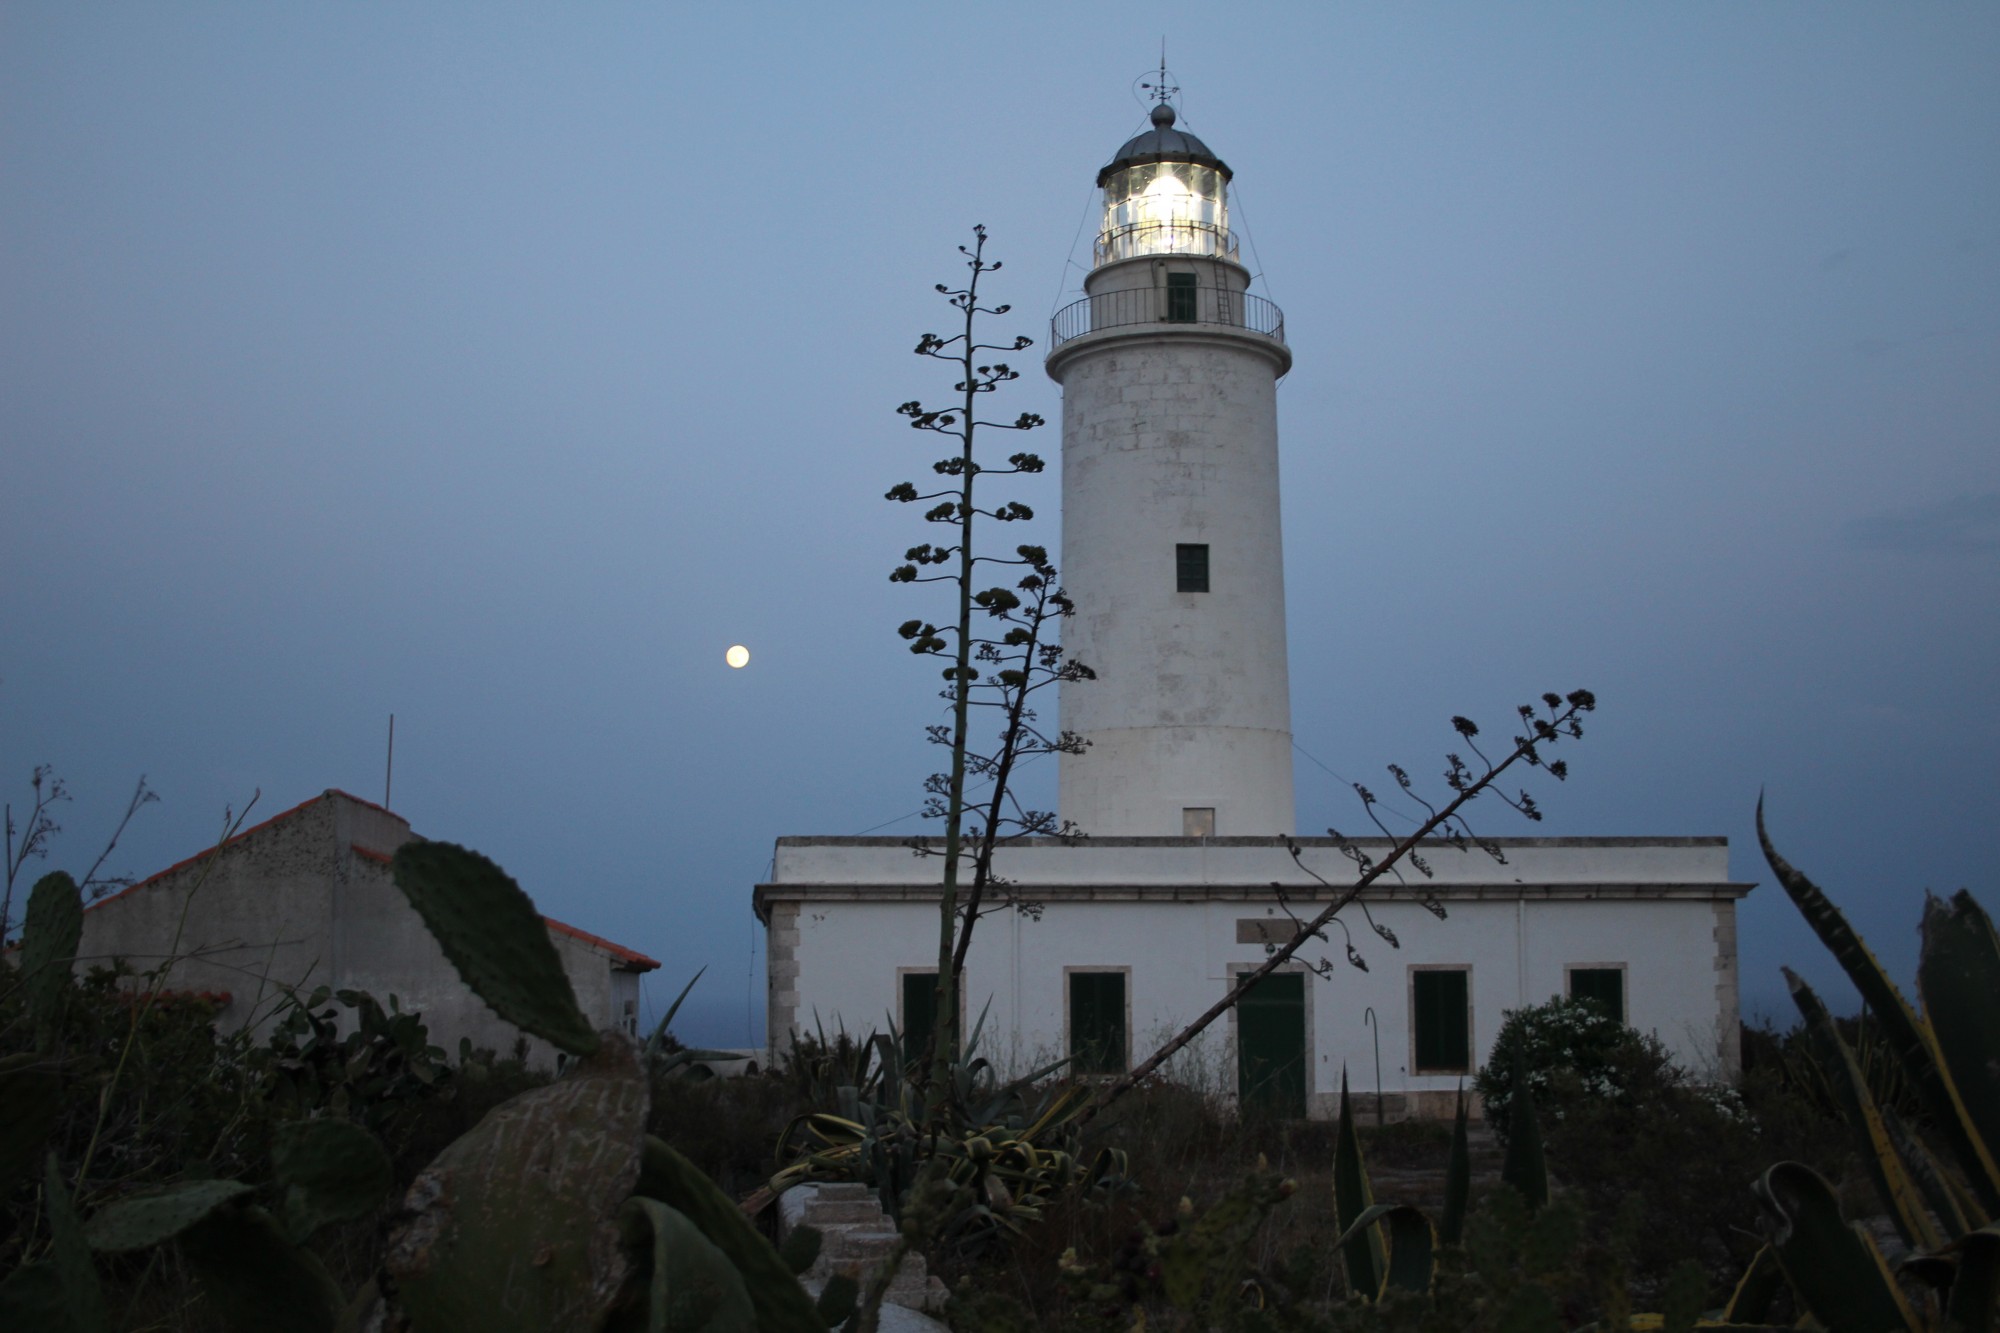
[1191,567]
[1441,998]
[1097,1022]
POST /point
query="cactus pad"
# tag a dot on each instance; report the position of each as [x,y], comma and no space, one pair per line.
[510,1229]
[146,1220]
[490,931]
[331,1171]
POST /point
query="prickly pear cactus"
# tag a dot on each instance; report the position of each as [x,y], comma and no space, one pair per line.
[145,1220]
[256,1278]
[492,934]
[511,1229]
[50,932]
[330,1171]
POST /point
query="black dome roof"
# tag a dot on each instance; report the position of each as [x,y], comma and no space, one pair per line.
[1163,143]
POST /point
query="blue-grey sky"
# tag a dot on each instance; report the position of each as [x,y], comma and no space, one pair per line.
[499,366]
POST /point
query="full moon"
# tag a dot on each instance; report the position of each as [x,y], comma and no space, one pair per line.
[737,656]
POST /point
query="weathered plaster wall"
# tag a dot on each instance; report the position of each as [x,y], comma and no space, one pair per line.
[308,899]
[1170,435]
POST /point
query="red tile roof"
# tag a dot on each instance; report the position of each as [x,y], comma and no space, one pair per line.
[630,957]
[638,961]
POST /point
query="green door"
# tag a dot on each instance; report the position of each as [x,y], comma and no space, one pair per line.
[1271,1046]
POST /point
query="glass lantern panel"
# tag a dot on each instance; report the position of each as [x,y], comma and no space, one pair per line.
[1164,208]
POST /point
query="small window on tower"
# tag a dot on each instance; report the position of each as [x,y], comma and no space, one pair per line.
[1180,298]
[1191,567]
[1198,821]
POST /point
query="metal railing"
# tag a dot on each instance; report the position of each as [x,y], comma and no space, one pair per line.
[1203,239]
[1167,305]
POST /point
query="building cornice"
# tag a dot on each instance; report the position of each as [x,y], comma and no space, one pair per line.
[1712,890]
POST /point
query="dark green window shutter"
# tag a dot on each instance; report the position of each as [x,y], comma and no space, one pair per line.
[919,1013]
[1191,567]
[1442,1021]
[1605,985]
[1097,1022]
[1180,298]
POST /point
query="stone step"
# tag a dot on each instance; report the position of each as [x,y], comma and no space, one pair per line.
[847,1246]
[823,1212]
[843,1191]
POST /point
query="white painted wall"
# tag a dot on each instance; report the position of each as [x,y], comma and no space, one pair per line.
[1167,909]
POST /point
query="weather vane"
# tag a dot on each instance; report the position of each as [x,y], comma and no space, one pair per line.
[1163,91]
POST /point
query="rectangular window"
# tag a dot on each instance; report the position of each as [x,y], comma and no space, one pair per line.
[919,1013]
[1198,821]
[1605,985]
[1441,1020]
[1097,1022]
[1191,567]
[1180,298]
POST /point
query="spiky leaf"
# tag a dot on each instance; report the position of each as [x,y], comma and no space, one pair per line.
[256,1279]
[780,1303]
[523,1204]
[1834,1270]
[145,1220]
[30,1104]
[1910,1038]
[330,1171]
[691,1287]
[1958,976]
[1457,1178]
[490,931]
[50,932]
[1842,1073]
[1412,1250]
[1362,1251]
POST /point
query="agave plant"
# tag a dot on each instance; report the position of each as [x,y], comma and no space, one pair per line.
[1008,1147]
[1938,1182]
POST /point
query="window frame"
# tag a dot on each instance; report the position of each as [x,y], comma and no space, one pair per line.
[1417,1067]
[902,996]
[1124,973]
[1624,985]
[1183,299]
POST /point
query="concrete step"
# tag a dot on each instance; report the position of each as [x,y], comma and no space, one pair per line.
[823,1212]
[847,1245]
[843,1191]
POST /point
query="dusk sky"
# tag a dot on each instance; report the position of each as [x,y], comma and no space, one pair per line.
[500,366]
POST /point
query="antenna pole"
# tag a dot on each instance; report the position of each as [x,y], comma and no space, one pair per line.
[389,771]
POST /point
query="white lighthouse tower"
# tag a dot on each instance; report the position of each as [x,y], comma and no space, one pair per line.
[1170,533]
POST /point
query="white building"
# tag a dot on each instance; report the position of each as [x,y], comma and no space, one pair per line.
[1171,549]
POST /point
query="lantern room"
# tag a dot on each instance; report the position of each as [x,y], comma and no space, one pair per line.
[1165,193]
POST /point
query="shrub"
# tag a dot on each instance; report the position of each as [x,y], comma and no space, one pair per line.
[1573,1055]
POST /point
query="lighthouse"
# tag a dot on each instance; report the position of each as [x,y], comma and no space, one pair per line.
[1170,529]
